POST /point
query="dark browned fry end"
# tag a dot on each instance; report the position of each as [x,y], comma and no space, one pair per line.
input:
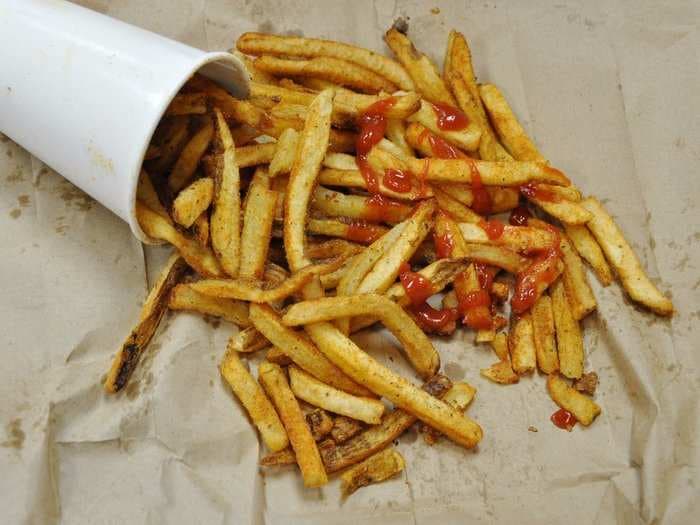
[128,359]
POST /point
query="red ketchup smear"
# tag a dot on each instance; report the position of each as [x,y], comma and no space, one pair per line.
[422,177]
[475,306]
[485,274]
[360,231]
[444,243]
[372,124]
[563,419]
[449,118]
[397,180]
[439,147]
[418,289]
[380,208]
[536,191]
[482,200]
[493,228]
[519,216]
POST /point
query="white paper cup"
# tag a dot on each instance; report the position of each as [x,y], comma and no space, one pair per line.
[84,92]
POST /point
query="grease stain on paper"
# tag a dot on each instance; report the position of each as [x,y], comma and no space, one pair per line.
[15,435]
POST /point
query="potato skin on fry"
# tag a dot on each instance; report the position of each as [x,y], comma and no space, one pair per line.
[374,469]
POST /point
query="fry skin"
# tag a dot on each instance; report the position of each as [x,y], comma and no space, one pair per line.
[580,405]
[183,297]
[383,465]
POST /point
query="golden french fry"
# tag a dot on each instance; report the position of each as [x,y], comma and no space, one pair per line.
[580,405]
[256,76]
[277,356]
[509,130]
[345,428]
[621,256]
[459,396]
[578,290]
[496,256]
[522,345]
[255,154]
[467,138]
[589,249]
[396,133]
[502,199]
[543,335]
[261,44]
[361,367]
[301,350]
[187,104]
[258,216]
[319,421]
[332,248]
[319,394]
[278,459]
[176,135]
[187,162]
[200,229]
[516,238]
[362,232]
[500,346]
[501,373]
[308,458]
[146,193]
[551,200]
[248,340]
[352,178]
[183,297]
[382,466]
[256,403]
[375,209]
[336,70]
[285,151]
[422,71]
[191,202]
[569,338]
[225,217]
[158,227]
[454,208]
[127,358]
[419,350]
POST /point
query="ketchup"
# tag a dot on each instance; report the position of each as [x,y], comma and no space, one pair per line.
[397,180]
[360,231]
[493,228]
[422,177]
[432,319]
[449,118]
[418,289]
[563,419]
[482,200]
[444,243]
[439,147]
[519,216]
[475,306]
[531,282]
[485,274]
[536,191]
[372,124]
[380,208]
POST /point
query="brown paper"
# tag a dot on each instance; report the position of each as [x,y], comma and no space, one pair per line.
[609,92]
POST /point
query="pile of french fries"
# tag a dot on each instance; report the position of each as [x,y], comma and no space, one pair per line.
[350,190]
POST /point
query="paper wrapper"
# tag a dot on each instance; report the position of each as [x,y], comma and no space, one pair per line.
[610,95]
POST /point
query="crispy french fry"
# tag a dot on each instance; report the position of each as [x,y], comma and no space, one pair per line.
[319,394]
[308,458]
[578,290]
[258,216]
[467,138]
[191,202]
[127,358]
[256,76]
[419,350]
[459,396]
[278,459]
[496,256]
[259,44]
[319,421]
[183,297]
[352,178]
[517,238]
[158,227]
[379,467]
[225,218]
[336,70]
[250,290]
[146,193]
[345,428]
[569,338]
[200,229]
[500,346]
[580,405]
[277,356]
[256,403]
[522,345]
[543,335]
[301,350]
[375,209]
[419,67]
[454,208]
[255,154]
[285,151]
[621,256]
[501,373]
[358,231]
[509,130]
[360,366]
[589,249]
[332,248]
[248,340]
[396,133]
[175,137]
[502,199]
[187,104]
[187,162]
[554,200]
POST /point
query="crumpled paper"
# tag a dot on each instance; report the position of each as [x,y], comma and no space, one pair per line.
[609,92]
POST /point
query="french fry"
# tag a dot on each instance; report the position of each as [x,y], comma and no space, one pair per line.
[175,137]
[361,367]
[256,403]
[332,248]
[578,291]
[396,133]
[308,458]
[256,76]
[250,290]
[345,428]
[200,229]
[291,112]
[310,151]
[258,216]
[336,70]
[589,249]
[500,347]
[225,217]
[155,305]
[187,104]
[422,71]
[158,227]
[191,202]
[498,256]
[255,154]
[454,208]
[285,151]
[358,231]
[319,421]
[502,199]
[382,466]
[278,459]
[419,350]
[248,340]
[552,200]
[584,409]
[277,356]
[459,396]
[375,209]
[517,238]
[509,130]
[259,44]
[543,335]
[147,195]
[569,339]
[353,179]
[621,256]
[377,437]
[319,394]
[301,350]
[522,345]
[467,138]
[187,162]
[183,297]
